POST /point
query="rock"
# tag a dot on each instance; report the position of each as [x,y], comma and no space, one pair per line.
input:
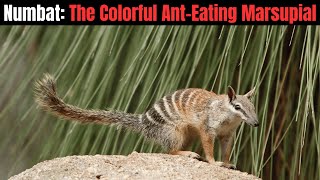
[134,166]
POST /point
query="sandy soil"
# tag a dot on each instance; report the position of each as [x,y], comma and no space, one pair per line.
[134,166]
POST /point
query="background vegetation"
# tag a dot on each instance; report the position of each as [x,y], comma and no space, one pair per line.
[129,67]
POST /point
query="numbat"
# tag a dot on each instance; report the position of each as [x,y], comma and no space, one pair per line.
[173,122]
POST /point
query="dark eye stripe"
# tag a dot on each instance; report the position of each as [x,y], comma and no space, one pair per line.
[244,113]
[241,110]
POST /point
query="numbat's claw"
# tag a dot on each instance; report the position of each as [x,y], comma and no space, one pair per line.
[194,155]
[188,154]
[197,157]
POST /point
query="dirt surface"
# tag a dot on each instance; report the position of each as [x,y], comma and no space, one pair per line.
[134,166]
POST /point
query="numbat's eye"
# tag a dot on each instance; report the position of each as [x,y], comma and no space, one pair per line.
[237,107]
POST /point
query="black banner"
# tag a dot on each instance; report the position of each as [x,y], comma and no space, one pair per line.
[36,12]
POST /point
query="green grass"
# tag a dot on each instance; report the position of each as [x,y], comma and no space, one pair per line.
[129,67]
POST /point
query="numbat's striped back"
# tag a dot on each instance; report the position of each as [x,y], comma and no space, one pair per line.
[178,106]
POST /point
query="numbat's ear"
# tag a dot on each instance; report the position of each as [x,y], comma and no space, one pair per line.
[250,94]
[231,94]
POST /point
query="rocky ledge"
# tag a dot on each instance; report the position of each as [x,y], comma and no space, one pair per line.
[134,166]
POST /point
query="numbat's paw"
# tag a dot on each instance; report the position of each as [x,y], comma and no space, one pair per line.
[189,154]
[227,165]
[194,155]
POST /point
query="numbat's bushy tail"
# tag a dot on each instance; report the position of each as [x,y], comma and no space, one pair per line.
[47,98]
[173,121]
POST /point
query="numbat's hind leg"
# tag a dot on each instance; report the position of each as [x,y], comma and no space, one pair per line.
[189,154]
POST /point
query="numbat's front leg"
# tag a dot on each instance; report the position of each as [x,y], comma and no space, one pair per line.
[226,146]
[207,144]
